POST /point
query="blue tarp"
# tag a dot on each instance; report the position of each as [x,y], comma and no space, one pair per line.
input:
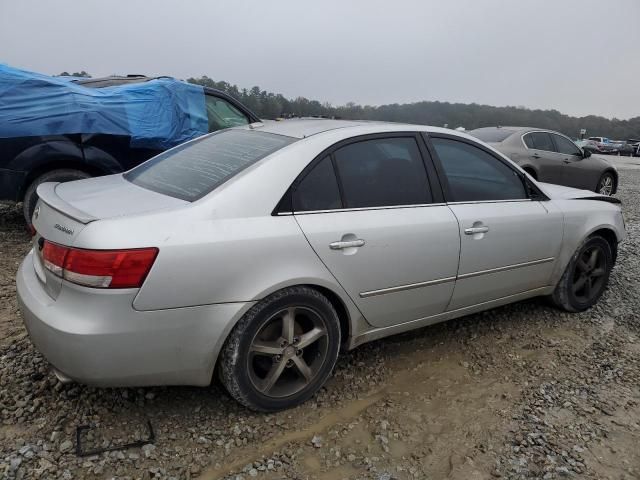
[160,113]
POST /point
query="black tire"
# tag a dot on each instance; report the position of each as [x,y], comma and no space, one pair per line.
[570,294]
[602,183]
[243,358]
[61,175]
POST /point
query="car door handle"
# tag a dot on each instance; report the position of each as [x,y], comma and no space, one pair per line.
[566,160]
[347,244]
[535,155]
[473,230]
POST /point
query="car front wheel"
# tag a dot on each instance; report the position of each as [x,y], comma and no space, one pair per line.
[282,351]
[586,277]
[606,184]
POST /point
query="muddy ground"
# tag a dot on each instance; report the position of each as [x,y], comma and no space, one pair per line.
[523,391]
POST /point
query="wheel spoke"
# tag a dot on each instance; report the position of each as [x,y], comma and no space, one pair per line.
[288,324]
[598,272]
[303,368]
[593,259]
[310,337]
[587,287]
[582,265]
[272,377]
[266,348]
[578,284]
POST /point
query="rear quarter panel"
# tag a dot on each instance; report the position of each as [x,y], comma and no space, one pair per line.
[206,261]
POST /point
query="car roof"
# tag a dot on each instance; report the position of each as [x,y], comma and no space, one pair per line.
[306,127]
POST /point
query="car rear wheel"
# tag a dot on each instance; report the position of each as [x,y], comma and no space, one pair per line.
[282,351]
[606,184]
[60,175]
[586,277]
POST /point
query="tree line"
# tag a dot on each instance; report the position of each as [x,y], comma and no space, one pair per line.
[269,105]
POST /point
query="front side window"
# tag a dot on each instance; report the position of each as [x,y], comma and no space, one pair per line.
[539,141]
[221,114]
[382,172]
[192,170]
[318,190]
[475,175]
[565,146]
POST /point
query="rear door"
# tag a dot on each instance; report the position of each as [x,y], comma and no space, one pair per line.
[375,217]
[542,153]
[509,241]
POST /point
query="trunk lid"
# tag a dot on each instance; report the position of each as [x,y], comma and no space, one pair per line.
[65,209]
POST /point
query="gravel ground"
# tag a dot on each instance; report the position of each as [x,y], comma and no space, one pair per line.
[523,391]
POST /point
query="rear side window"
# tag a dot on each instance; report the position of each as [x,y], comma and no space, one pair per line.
[475,175]
[221,114]
[194,169]
[318,190]
[539,141]
[382,172]
[566,146]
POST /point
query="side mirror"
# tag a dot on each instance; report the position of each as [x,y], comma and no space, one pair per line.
[586,153]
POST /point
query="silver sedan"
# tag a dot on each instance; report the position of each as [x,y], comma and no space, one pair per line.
[258,252]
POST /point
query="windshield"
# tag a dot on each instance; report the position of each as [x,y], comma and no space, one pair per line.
[491,135]
[192,170]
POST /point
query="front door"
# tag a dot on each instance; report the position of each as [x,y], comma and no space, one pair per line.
[574,173]
[542,154]
[509,242]
[376,228]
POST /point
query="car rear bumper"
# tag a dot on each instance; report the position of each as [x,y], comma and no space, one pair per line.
[96,337]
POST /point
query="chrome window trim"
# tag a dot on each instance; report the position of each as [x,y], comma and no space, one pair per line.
[410,286]
[473,202]
[362,209]
[429,283]
[393,207]
[505,268]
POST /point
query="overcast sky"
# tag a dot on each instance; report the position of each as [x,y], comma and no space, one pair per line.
[577,56]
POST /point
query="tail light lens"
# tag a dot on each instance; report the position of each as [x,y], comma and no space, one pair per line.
[99,268]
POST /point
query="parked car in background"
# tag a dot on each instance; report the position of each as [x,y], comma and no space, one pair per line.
[625,148]
[606,145]
[259,251]
[551,157]
[61,128]
[590,145]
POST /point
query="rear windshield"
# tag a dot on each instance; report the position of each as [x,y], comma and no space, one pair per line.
[191,171]
[491,135]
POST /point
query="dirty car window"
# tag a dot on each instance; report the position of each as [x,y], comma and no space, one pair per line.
[191,171]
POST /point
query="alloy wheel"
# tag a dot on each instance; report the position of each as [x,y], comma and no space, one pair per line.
[589,274]
[288,351]
[606,185]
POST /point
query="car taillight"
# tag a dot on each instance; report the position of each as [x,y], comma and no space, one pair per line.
[99,268]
